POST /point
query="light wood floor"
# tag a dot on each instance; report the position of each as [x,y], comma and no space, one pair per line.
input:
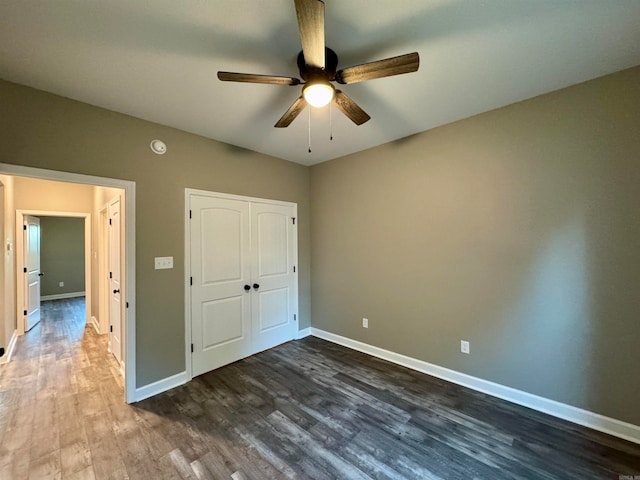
[306,409]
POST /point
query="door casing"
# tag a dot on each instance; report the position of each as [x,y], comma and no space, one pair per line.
[32,268]
[103,271]
[130,390]
[20,293]
[115,301]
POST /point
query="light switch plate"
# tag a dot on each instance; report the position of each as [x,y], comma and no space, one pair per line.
[164,262]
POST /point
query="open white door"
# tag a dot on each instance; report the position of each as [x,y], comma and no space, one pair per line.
[32,273]
[115,297]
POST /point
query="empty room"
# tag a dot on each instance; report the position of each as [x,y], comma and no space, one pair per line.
[322,240]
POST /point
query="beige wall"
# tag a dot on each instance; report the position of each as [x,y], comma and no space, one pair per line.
[46,195]
[61,255]
[41,130]
[517,230]
[8,293]
[3,340]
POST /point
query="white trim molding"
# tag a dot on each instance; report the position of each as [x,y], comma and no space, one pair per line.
[129,188]
[20,252]
[161,386]
[10,348]
[60,296]
[572,414]
[305,332]
[96,324]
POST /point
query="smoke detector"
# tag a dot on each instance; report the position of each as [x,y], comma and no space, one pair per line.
[158,147]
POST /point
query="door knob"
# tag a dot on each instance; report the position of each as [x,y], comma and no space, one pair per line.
[41,274]
[247,288]
[116,291]
[256,286]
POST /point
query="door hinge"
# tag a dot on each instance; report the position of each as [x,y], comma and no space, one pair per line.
[24,227]
[190,280]
[189,213]
[111,328]
[25,269]
[110,274]
[109,221]
[295,317]
[25,312]
[192,348]
[294,269]
[294,220]
[126,304]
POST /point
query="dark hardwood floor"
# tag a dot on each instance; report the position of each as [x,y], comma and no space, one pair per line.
[306,409]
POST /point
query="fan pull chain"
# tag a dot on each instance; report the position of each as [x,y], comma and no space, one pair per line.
[309,108]
[330,123]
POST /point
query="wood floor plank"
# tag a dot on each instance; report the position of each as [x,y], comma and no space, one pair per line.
[47,466]
[105,454]
[75,457]
[307,409]
[182,465]
[85,474]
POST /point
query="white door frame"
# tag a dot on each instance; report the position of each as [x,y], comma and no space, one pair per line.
[20,293]
[129,188]
[103,284]
[187,261]
[119,353]
[28,272]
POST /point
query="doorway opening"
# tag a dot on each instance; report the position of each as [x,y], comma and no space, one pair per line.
[29,263]
[94,289]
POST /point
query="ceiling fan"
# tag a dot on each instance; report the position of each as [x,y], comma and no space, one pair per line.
[318,68]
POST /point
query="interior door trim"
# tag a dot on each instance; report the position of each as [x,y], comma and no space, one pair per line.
[129,187]
[20,217]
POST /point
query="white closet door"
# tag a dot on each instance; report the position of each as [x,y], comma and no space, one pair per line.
[272,260]
[220,270]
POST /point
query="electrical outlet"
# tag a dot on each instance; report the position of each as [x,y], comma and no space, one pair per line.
[163,262]
[464,346]
[61,284]
[365,323]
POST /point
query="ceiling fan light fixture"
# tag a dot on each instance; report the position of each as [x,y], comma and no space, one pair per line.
[318,94]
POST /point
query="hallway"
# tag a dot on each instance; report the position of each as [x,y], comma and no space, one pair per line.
[55,395]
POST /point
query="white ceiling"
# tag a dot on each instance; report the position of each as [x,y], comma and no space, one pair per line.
[157,60]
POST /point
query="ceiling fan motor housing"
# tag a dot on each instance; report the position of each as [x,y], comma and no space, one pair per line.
[309,74]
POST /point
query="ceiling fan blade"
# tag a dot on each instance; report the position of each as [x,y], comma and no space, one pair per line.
[251,78]
[291,114]
[310,15]
[388,67]
[350,108]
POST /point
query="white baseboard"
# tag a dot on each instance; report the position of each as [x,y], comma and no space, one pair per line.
[6,358]
[60,296]
[161,386]
[586,418]
[305,332]
[96,324]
